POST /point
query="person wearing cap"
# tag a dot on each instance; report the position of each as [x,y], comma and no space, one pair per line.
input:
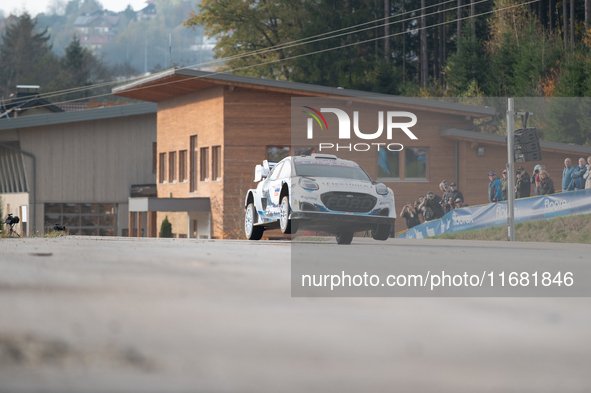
[458,204]
[504,184]
[522,185]
[433,209]
[454,194]
[495,188]
[535,179]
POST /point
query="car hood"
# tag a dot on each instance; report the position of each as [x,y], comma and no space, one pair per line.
[340,184]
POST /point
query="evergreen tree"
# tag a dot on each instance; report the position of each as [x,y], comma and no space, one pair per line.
[22,48]
[468,68]
[165,228]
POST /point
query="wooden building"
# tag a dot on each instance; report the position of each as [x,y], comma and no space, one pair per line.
[77,168]
[214,128]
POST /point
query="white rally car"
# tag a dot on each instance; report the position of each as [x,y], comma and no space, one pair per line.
[321,193]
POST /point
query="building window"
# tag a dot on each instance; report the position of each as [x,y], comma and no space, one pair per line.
[88,219]
[154,157]
[388,164]
[304,150]
[216,162]
[409,164]
[162,168]
[204,164]
[183,166]
[415,163]
[276,153]
[172,166]
[193,164]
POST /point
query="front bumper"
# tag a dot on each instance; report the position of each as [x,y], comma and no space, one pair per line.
[338,222]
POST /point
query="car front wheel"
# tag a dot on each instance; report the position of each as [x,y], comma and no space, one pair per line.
[381,232]
[252,232]
[344,237]
[285,223]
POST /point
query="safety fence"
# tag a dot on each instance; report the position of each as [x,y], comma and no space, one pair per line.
[495,214]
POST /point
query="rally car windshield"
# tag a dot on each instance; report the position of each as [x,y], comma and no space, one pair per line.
[331,170]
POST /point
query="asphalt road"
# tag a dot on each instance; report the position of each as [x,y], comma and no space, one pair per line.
[157,315]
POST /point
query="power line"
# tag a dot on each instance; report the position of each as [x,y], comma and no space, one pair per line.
[265,50]
[302,55]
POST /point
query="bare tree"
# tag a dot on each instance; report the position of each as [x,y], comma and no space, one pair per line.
[387,31]
[472,18]
[564,23]
[550,14]
[424,66]
[459,33]
[403,45]
[586,15]
[572,25]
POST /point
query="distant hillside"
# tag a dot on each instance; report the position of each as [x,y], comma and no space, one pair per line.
[132,39]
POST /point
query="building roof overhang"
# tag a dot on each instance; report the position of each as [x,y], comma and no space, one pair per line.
[75,116]
[153,204]
[493,139]
[176,82]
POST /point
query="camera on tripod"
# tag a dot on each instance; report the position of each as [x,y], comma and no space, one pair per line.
[11,220]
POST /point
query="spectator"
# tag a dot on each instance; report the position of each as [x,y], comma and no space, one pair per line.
[546,184]
[522,185]
[410,214]
[432,204]
[587,174]
[445,202]
[495,188]
[418,209]
[535,179]
[454,194]
[504,184]
[577,176]
[566,173]
[459,203]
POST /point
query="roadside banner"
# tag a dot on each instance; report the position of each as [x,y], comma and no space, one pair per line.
[495,214]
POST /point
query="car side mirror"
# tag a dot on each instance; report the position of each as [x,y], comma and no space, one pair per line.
[260,173]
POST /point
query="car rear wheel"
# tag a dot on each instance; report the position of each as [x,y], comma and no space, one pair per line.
[381,232]
[286,225]
[344,237]
[252,232]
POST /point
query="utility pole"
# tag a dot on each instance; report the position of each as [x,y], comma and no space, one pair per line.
[527,149]
[510,171]
[145,54]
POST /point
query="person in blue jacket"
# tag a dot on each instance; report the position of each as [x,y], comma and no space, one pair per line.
[577,175]
[566,172]
[495,188]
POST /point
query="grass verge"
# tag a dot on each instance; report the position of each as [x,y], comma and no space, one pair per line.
[573,229]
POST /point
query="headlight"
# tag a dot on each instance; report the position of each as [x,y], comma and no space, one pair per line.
[381,189]
[308,184]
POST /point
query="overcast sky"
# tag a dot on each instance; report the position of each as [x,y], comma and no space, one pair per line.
[35,7]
